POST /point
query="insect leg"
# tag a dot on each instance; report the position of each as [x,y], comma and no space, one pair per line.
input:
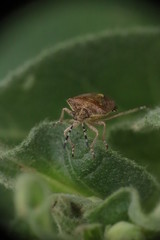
[67,133]
[85,134]
[94,140]
[104,133]
[62,113]
[72,147]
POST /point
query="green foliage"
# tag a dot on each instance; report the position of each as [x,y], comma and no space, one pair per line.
[113,196]
[124,231]
[48,24]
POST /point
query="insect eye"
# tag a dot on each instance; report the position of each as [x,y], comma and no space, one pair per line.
[115,109]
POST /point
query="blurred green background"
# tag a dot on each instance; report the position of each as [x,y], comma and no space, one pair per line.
[39,25]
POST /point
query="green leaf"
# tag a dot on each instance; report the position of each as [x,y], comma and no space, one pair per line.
[32,204]
[138,134]
[42,152]
[90,232]
[149,122]
[50,214]
[68,211]
[78,216]
[125,205]
[124,231]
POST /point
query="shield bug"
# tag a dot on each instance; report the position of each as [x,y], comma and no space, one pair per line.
[89,110]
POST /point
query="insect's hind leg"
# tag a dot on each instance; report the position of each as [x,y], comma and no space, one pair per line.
[85,134]
[104,133]
[94,140]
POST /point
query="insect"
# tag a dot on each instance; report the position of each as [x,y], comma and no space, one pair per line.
[91,109]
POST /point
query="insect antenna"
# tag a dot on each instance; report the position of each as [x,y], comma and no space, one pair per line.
[67,135]
[126,112]
[85,134]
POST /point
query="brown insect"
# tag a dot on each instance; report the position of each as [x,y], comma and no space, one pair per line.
[91,109]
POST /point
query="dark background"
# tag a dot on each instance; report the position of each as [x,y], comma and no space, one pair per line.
[10,6]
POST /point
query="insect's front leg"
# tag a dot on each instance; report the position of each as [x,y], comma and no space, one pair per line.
[94,140]
[67,133]
[85,134]
[62,114]
[104,133]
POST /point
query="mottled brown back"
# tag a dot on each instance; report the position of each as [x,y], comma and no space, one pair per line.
[94,103]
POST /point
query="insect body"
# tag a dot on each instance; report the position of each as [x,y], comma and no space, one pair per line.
[89,110]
